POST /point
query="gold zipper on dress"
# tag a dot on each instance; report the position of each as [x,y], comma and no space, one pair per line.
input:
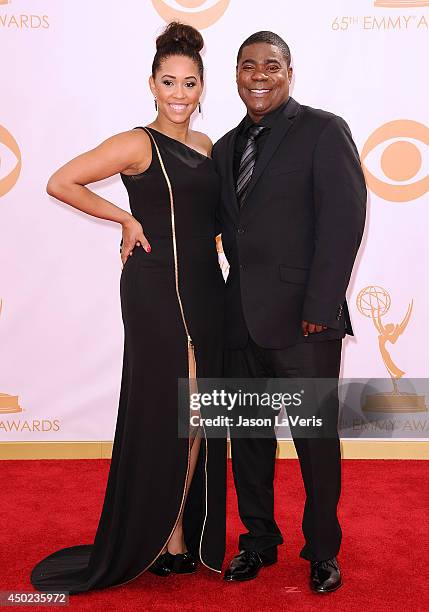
[192,369]
[192,372]
[192,364]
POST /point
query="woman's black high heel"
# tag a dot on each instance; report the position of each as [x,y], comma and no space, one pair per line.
[163,565]
[166,564]
[184,563]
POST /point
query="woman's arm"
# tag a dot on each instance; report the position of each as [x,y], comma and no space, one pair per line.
[128,152]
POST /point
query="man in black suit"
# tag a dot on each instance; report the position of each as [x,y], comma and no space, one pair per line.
[292,219]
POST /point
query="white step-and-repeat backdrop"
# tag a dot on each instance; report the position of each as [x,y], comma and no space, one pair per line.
[74,72]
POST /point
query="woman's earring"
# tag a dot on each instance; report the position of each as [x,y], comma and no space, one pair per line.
[199,108]
[156,103]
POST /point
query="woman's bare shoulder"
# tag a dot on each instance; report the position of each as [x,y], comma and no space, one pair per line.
[136,147]
[133,138]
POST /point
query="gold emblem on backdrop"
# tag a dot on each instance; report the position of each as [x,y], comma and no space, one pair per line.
[401,160]
[200,19]
[374,302]
[9,403]
[8,180]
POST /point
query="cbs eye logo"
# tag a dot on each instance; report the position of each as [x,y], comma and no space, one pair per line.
[172,10]
[10,161]
[399,149]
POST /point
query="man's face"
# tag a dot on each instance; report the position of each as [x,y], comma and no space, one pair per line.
[263,79]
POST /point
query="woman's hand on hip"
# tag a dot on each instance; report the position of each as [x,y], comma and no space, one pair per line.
[132,235]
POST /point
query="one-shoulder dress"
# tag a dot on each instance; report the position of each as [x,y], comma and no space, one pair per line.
[150,461]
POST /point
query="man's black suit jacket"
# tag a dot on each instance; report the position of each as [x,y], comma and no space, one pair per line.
[292,245]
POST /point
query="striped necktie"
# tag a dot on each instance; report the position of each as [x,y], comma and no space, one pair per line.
[247,162]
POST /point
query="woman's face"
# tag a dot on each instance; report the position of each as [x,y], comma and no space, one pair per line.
[177,87]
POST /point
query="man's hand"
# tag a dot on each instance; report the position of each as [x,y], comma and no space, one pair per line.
[311,328]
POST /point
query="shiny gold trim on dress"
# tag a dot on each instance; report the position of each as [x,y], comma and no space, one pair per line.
[112,586]
[192,364]
[192,369]
[192,373]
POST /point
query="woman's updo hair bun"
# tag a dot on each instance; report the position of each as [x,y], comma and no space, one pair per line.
[178,39]
[179,33]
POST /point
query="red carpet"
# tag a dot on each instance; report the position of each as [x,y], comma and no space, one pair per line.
[384,511]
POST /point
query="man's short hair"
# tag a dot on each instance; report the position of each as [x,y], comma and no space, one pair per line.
[270,38]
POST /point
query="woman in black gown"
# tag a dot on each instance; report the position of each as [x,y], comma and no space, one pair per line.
[164,505]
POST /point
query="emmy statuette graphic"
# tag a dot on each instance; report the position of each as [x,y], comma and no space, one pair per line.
[374,302]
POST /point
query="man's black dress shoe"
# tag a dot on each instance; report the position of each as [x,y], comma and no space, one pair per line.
[167,564]
[325,576]
[246,565]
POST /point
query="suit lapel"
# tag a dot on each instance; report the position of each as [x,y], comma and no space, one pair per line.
[277,133]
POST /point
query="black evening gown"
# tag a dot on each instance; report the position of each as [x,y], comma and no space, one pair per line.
[149,465]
